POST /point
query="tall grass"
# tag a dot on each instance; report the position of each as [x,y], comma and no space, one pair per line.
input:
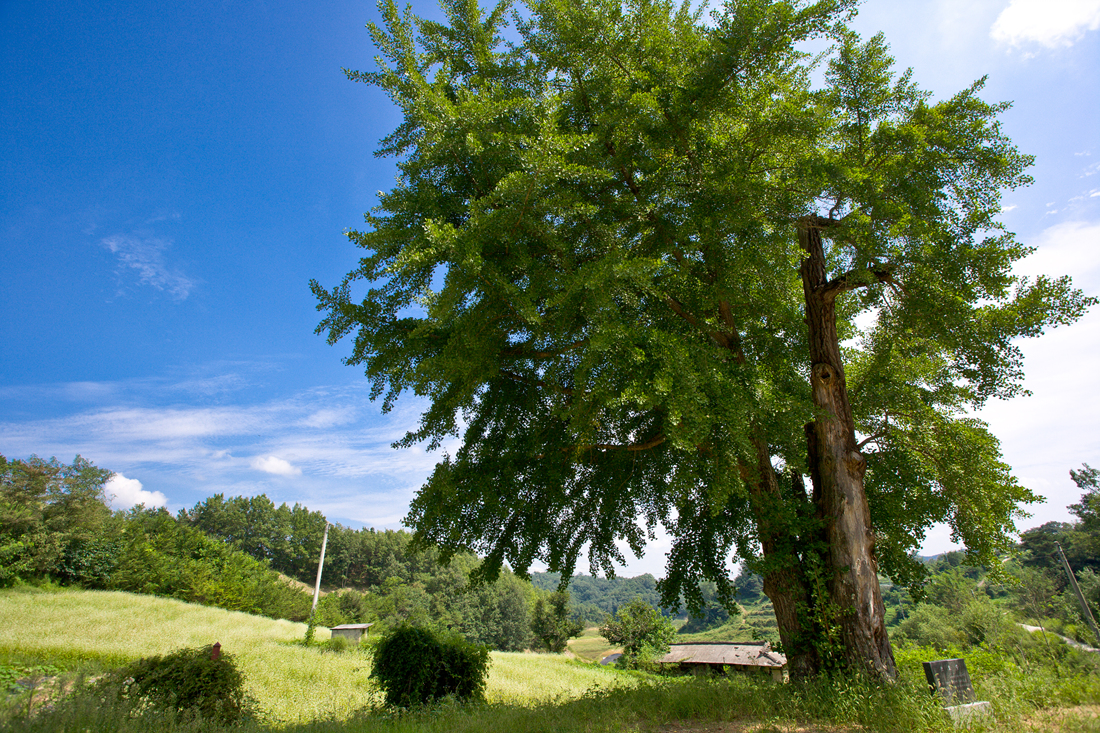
[94,630]
[728,704]
[309,690]
[654,705]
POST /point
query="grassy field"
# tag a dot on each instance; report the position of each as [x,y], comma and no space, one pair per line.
[292,683]
[590,646]
[308,690]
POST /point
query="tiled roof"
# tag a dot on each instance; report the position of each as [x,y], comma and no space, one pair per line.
[754,655]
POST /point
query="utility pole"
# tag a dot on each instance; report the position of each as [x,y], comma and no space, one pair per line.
[1077,589]
[320,567]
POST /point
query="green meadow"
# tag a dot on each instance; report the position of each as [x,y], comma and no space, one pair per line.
[77,629]
[68,634]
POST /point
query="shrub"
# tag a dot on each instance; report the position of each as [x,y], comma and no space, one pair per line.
[88,562]
[311,629]
[414,666]
[185,681]
[930,626]
[337,644]
[641,630]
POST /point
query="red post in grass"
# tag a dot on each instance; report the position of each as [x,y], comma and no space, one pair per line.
[216,651]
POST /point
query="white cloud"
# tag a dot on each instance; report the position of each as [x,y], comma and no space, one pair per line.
[1070,248]
[123,493]
[1051,23]
[349,472]
[146,258]
[1054,429]
[275,465]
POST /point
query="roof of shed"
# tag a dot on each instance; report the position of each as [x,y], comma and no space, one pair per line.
[352,626]
[752,654]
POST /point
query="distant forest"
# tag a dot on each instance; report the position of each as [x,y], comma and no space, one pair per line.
[239,552]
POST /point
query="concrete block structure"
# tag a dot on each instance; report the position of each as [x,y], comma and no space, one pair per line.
[351,632]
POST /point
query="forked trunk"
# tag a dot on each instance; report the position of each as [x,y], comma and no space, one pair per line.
[785,581]
[837,468]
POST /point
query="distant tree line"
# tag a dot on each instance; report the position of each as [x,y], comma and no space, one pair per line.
[232,552]
[238,553]
[967,605]
[593,598]
[55,524]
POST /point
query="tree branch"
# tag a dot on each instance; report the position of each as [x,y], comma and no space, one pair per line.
[568,391]
[631,447]
[844,283]
[651,443]
[722,339]
[520,351]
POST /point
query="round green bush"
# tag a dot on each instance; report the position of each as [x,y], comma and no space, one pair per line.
[187,680]
[415,666]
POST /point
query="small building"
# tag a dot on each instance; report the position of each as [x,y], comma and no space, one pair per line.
[746,656]
[351,632]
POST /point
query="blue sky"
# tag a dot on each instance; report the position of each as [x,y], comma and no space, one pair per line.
[174,174]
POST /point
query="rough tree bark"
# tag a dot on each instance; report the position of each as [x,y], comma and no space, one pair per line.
[837,468]
[785,580]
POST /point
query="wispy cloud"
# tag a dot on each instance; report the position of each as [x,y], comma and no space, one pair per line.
[1051,23]
[144,256]
[328,418]
[327,448]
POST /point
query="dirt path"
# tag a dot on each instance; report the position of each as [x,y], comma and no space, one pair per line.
[1081,717]
[1071,642]
[749,727]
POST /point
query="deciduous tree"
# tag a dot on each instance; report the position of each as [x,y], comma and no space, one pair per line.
[52,517]
[624,259]
[642,632]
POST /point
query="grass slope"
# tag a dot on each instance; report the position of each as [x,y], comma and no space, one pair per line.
[590,646]
[306,690]
[291,683]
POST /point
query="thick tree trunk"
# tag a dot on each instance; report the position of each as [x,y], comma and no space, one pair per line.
[785,581]
[837,469]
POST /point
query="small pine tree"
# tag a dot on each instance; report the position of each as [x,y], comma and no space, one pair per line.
[552,624]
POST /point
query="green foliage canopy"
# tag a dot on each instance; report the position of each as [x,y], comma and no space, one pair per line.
[52,519]
[1088,509]
[589,267]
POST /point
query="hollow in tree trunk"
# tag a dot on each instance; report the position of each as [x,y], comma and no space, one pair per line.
[837,468]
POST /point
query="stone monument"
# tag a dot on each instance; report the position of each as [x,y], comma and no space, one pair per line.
[949,679]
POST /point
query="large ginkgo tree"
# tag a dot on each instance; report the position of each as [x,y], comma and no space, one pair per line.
[656,268]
